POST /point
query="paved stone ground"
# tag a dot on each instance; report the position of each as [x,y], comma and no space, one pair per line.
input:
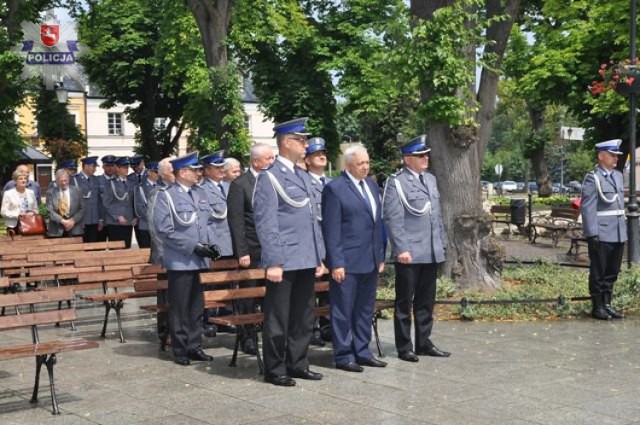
[558,372]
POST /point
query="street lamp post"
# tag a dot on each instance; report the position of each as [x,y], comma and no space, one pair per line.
[633,256]
[62,94]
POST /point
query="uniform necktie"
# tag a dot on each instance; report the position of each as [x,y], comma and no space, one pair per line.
[222,189]
[421,177]
[190,192]
[365,196]
[63,205]
[323,180]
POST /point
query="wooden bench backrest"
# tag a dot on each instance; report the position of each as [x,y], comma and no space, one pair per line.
[566,213]
[132,258]
[244,293]
[19,243]
[147,269]
[500,209]
[151,285]
[226,264]
[36,317]
[7,238]
[216,278]
[4,282]
[61,249]
[66,258]
[42,272]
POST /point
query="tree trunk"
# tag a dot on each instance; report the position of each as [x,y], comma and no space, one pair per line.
[473,258]
[538,161]
[213,18]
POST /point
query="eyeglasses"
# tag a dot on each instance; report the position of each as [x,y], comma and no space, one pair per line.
[299,139]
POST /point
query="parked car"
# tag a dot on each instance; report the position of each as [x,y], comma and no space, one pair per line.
[575,186]
[509,186]
[558,188]
[484,184]
[520,186]
[533,187]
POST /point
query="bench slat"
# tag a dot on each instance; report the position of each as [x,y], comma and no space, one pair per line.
[38,318]
[209,278]
[34,297]
[49,347]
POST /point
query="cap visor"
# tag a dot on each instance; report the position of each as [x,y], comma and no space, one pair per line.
[616,152]
[299,133]
[421,152]
[194,166]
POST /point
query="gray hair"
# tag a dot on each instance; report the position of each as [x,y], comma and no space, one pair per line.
[164,166]
[257,150]
[17,173]
[229,162]
[353,150]
[61,172]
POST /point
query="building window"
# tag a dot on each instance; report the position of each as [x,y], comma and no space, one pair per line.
[115,124]
[247,122]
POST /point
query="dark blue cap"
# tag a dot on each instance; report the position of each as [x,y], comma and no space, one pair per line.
[316,144]
[415,146]
[152,166]
[612,146]
[122,160]
[189,160]
[136,159]
[295,126]
[68,163]
[108,159]
[215,159]
[91,160]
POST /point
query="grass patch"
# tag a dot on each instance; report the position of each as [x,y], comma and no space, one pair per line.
[543,280]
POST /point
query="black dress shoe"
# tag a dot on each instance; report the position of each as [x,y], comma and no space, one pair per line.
[182,361]
[306,374]
[372,362]
[200,356]
[408,356]
[248,347]
[613,313]
[317,340]
[433,352]
[350,367]
[281,380]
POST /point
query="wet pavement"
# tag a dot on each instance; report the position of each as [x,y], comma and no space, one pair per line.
[555,372]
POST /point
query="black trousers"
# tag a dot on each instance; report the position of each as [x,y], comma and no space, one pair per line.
[415,288]
[162,317]
[185,311]
[116,232]
[604,266]
[143,237]
[288,322]
[90,233]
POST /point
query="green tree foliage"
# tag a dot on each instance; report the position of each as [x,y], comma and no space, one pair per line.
[62,137]
[13,89]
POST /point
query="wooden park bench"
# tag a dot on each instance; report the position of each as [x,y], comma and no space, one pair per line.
[556,224]
[502,214]
[29,313]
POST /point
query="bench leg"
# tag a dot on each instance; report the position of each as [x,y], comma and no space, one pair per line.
[256,341]
[236,346]
[375,332]
[39,362]
[107,309]
[54,401]
[117,307]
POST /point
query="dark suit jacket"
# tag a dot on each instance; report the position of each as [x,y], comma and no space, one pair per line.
[240,217]
[352,238]
[76,211]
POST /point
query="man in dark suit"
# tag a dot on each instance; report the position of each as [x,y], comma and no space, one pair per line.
[413,219]
[65,206]
[352,230]
[292,253]
[246,247]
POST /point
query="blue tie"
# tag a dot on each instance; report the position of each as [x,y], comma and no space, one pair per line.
[366,197]
[222,190]
[323,180]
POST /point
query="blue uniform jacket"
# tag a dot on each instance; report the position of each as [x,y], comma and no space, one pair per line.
[88,186]
[608,228]
[218,228]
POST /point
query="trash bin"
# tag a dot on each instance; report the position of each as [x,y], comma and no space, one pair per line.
[518,211]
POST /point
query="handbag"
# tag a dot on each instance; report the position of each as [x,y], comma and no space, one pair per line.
[31,223]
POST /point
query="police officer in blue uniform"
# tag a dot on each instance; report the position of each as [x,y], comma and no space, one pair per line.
[109,172]
[412,216]
[217,189]
[316,163]
[604,226]
[140,204]
[287,227]
[89,187]
[180,216]
[117,201]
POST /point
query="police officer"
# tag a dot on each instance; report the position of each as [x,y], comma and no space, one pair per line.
[180,217]
[217,189]
[604,226]
[316,163]
[139,172]
[140,204]
[109,172]
[287,227]
[89,187]
[117,201]
[412,216]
